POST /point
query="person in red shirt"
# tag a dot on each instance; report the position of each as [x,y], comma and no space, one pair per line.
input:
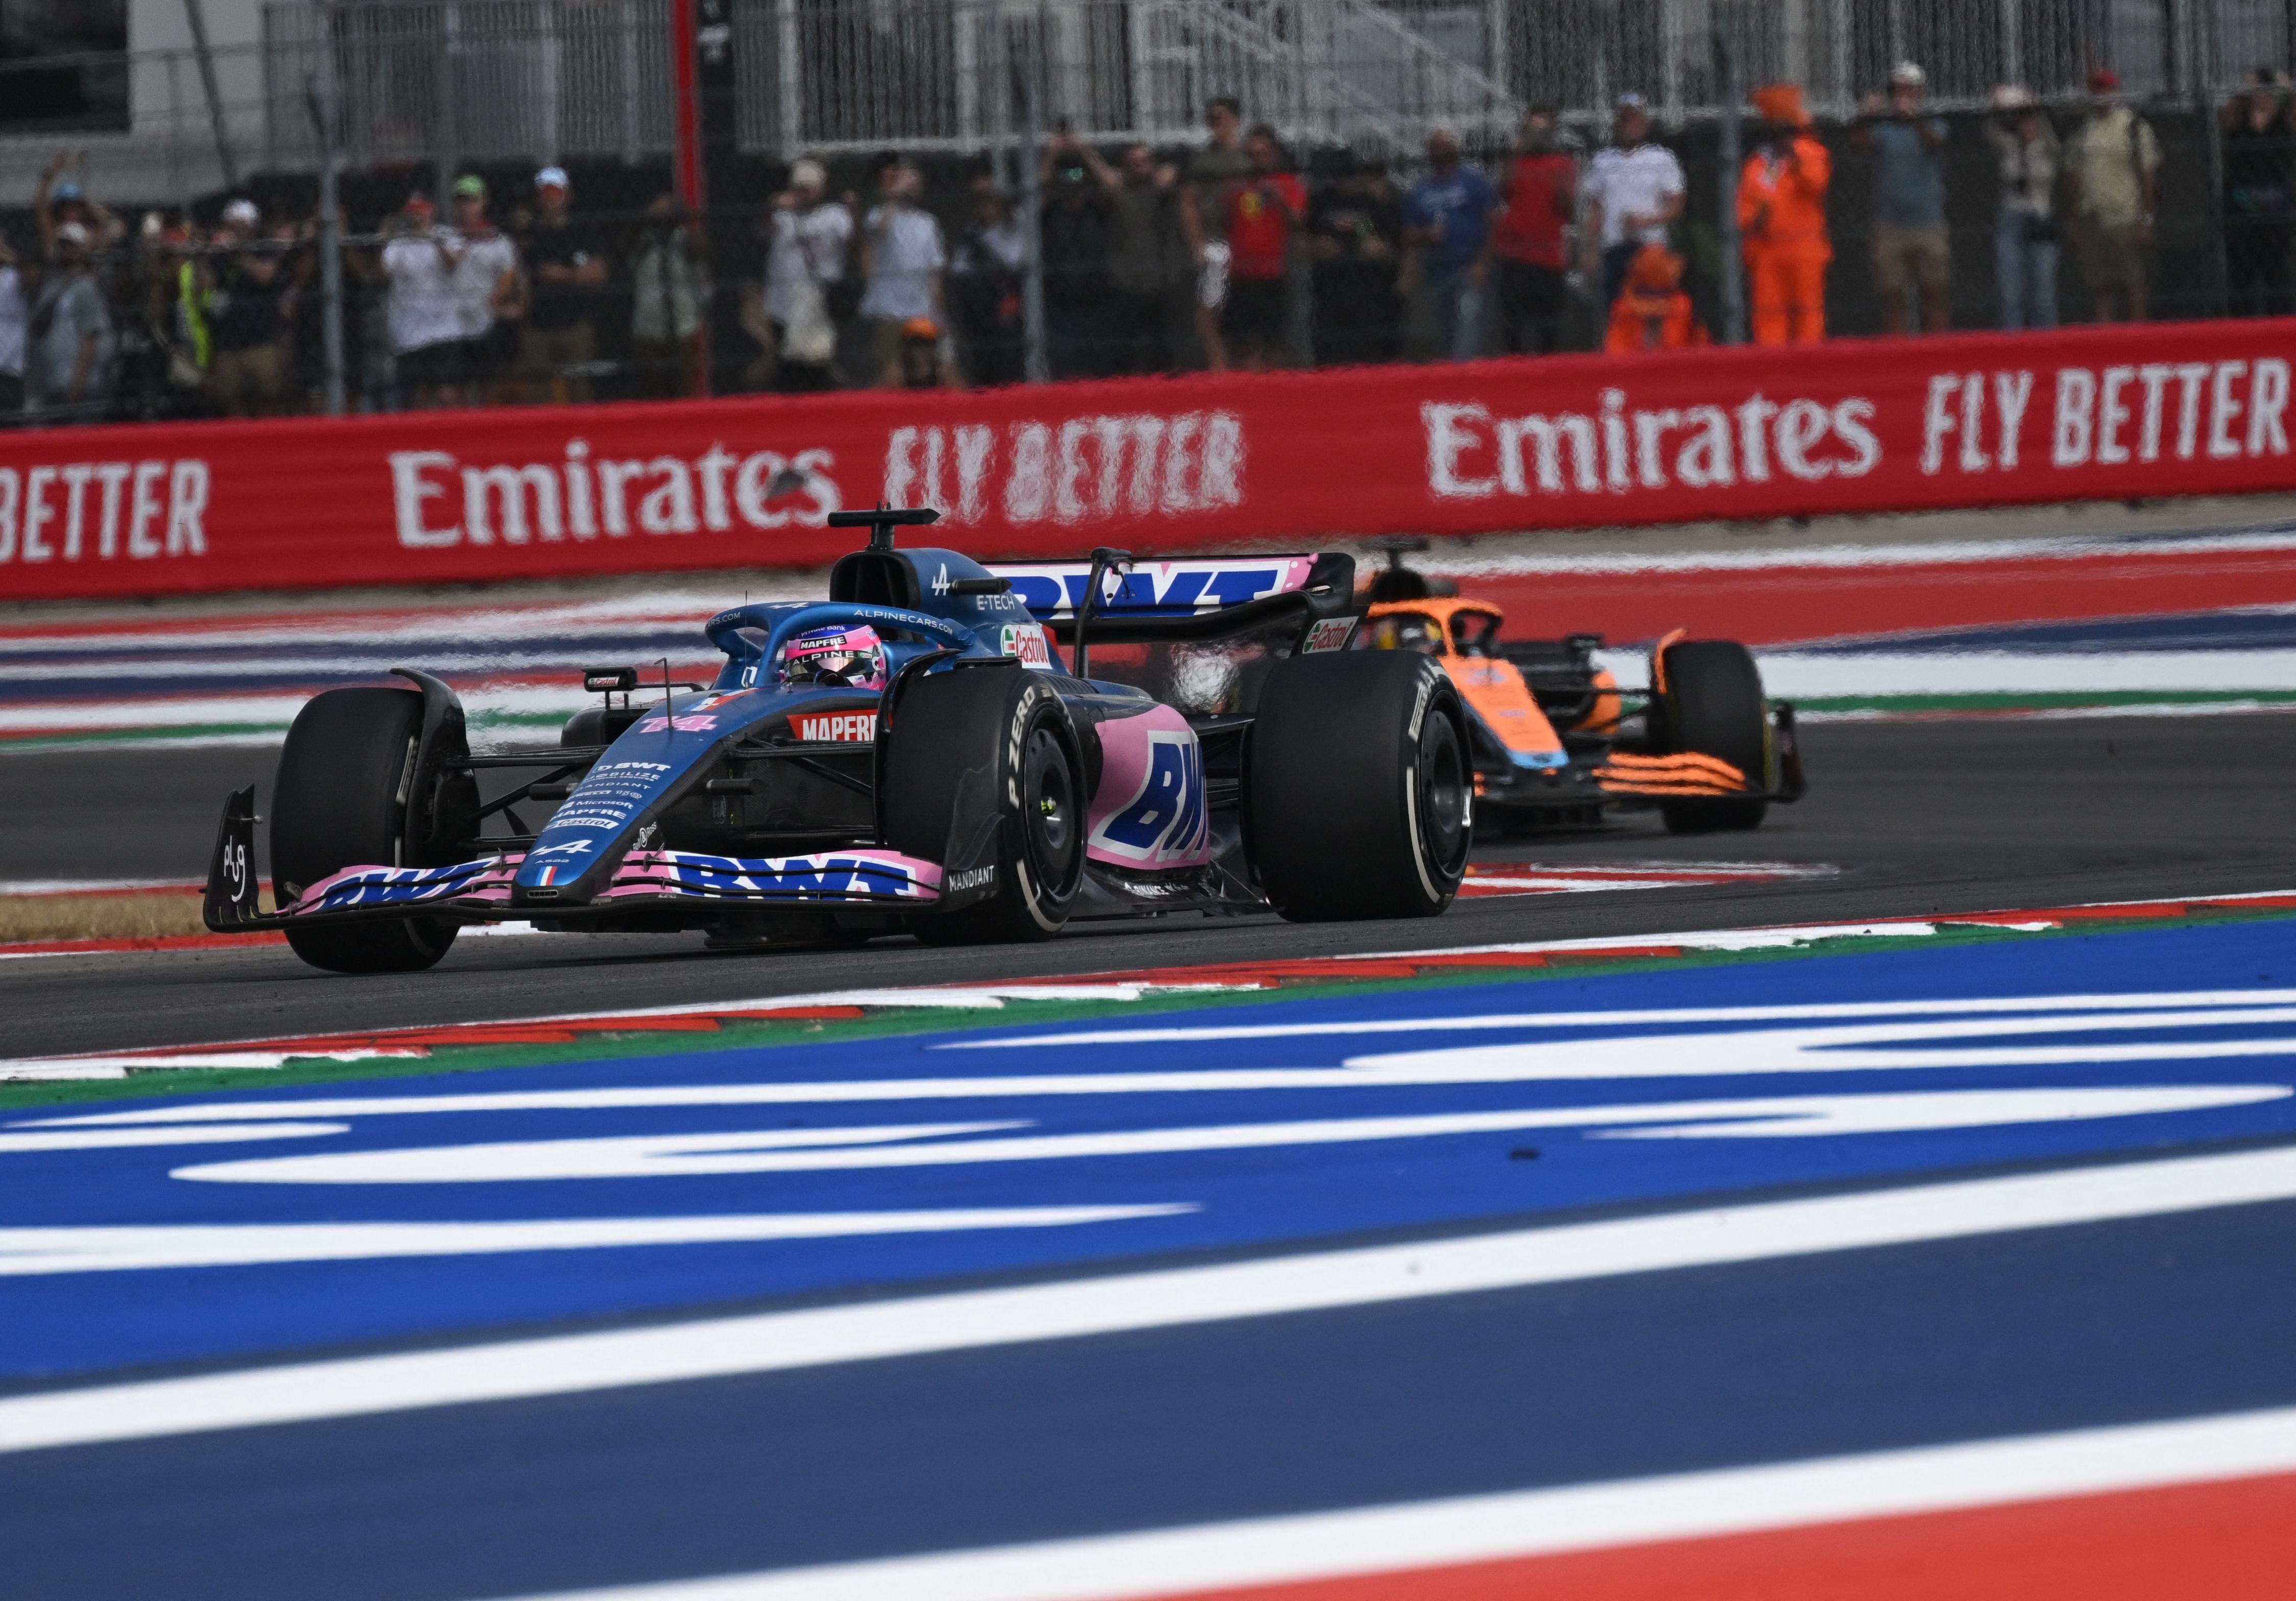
[1541,196]
[1652,313]
[1262,208]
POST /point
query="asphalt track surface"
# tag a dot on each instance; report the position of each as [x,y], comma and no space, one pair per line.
[1920,817]
[1987,1336]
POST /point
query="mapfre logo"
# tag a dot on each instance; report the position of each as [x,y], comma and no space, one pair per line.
[858,728]
[1028,641]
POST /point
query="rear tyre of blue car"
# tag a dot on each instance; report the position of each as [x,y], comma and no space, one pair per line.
[980,744]
[1360,792]
[341,800]
[1713,704]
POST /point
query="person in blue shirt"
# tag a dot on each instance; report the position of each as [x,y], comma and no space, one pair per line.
[1448,214]
[1910,247]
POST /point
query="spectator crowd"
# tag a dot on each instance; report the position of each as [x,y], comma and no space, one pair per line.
[1231,253]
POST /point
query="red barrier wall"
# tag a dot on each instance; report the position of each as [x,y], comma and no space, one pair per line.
[1153,465]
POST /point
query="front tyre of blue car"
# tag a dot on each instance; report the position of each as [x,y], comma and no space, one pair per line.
[986,756]
[341,800]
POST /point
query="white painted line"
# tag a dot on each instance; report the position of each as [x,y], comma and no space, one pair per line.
[831,1150]
[1810,1011]
[782,1341]
[33,1252]
[1536,1523]
[1889,1040]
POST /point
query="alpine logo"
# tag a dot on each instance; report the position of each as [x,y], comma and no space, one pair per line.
[856,728]
[1329,635]
[1027,641]
[684,722]
[975,878]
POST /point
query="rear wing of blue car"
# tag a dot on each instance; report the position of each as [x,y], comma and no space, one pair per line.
[1197,598]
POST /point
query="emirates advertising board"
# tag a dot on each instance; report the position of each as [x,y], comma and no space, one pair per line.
[1154,466]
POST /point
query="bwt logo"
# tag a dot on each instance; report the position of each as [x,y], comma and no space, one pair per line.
[1163,822]
[851,727]
[581,498]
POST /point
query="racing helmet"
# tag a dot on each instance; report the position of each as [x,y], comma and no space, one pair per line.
[1404,631]
[835,658]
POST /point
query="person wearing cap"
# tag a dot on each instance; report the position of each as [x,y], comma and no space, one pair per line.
[2113,166]
[1910,249]
[1634,191]
[426,329]
[248,299]
[565,268]
[1781,221]
[69,340]
[2025,241]
[922,360]
[489,296]
[61,202]
[1651,312]
[807,238]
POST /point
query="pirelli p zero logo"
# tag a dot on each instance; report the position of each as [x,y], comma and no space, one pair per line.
[856,728]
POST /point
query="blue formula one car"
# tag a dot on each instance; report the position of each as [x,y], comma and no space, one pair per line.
[913,755]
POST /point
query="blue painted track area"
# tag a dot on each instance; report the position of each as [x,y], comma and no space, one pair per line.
[232,1229]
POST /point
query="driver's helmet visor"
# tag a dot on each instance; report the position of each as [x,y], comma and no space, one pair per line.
[836,657]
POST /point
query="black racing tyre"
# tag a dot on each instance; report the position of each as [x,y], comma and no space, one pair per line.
[1359,790]
[341,801]
[1713,704]
[968,742]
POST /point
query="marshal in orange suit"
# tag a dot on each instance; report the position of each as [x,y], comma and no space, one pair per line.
[1782,218]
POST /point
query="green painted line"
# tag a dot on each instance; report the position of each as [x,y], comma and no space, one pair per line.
[765,1035]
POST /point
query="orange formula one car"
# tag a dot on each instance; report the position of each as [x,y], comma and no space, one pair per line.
[1556,740]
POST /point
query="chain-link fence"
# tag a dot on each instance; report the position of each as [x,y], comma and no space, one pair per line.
[1059,253]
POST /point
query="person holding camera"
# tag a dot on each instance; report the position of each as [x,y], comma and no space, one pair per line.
[2025,242]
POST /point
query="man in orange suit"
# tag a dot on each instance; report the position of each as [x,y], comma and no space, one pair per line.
[1782,218]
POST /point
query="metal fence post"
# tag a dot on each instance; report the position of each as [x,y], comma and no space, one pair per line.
[785,48]
[196,13]
[318,90]
[1842,87]
[1032,279]
[1733,281]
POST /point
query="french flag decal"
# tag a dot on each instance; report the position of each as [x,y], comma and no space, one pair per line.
[550,874]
